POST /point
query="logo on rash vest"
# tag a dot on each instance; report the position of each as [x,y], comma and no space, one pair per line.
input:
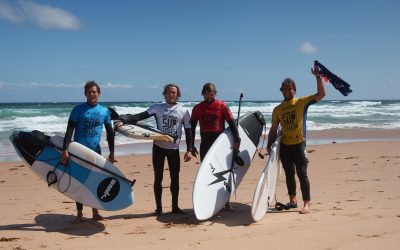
[108,189]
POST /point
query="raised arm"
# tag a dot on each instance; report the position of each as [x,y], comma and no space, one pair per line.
[320,85]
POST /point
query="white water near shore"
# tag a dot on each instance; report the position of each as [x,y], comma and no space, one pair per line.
[52,118]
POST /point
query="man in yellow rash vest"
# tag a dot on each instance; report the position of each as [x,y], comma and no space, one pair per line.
[291,114]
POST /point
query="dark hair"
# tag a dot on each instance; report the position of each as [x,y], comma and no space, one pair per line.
[288,82]
[170,85]
[90,84]
[208,87]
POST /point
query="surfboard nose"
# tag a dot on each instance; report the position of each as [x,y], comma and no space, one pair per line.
[13,136]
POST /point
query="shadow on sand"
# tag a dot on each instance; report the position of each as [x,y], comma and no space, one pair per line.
[240,216]
[60,223]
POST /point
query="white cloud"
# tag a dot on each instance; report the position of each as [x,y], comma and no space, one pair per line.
[10,13]
[154,87]
[46,17]
[64,85]
[53,85]
[307,48]
[110,85]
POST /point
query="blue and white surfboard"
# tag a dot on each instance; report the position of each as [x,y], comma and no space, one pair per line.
[88,178]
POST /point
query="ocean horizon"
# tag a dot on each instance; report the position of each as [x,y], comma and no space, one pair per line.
[52,117]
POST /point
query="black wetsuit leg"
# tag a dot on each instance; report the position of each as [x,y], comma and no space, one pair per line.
[294,160]
[79,206]
[207,140]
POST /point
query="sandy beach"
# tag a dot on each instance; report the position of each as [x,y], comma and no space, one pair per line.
[355,205]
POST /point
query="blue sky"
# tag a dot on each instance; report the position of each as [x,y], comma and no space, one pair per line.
[132,48]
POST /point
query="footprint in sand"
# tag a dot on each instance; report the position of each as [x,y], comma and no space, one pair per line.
[351,157]
[139,232]
[194,244]
[5,239]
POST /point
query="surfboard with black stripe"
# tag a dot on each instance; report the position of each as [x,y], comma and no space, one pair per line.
[218,176]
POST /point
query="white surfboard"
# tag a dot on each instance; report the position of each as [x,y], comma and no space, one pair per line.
[217,178]
[88,178]
[142,133]
[266,186]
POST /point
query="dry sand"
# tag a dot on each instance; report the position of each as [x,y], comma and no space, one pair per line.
[355,205]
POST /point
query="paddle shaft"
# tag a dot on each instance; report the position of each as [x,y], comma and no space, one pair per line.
[232,174]
[240,104]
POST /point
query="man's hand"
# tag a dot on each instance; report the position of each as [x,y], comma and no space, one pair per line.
[194,151]
[315,71]
[111,158]
[236,146]
[187,156]
[64,157]
[268,150]
[118,123]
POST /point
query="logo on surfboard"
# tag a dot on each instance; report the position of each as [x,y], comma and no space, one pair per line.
[108,189]
[221,178]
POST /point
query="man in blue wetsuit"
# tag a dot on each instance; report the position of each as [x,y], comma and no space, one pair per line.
[87,121]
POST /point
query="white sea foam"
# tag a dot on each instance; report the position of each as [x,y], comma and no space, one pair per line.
[52,118]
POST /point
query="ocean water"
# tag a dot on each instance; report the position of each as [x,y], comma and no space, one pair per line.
[52,118]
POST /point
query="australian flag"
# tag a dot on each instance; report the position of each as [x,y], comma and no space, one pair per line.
[336,81]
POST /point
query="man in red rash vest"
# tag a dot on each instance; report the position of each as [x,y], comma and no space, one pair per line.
[212,114]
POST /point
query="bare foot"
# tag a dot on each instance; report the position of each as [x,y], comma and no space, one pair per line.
[98,217]
[78,219]
[305,209]
[228,207]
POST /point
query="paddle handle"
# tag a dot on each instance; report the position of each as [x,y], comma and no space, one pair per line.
[240,104]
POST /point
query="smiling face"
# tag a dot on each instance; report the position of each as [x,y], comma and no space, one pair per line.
[171,95]
[288,89]
[92,95]
[288,92]
[209,96]
[209,92]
